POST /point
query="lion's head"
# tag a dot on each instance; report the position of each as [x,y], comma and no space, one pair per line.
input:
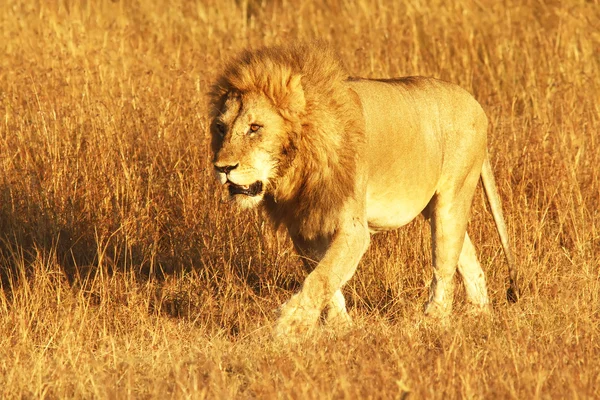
[251,133]
[285,127]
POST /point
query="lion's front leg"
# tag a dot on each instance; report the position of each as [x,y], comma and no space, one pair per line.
[337,314]
[301,313]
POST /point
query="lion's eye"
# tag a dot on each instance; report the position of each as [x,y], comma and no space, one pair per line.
[220,128]
[254,128]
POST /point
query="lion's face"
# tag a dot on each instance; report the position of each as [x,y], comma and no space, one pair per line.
[247,138]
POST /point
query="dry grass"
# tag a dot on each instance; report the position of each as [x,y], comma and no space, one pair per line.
[123,275]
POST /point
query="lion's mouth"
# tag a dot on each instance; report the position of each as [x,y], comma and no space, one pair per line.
[249,190]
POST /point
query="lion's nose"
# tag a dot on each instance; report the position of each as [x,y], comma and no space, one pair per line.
[225,168]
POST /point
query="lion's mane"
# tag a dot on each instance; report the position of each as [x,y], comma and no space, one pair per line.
[325,131]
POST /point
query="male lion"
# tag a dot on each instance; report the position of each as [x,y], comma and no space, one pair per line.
[334,158]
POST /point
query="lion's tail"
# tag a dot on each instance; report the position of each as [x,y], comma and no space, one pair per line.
[491,191]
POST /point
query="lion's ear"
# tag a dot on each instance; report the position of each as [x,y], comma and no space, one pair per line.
[295,95]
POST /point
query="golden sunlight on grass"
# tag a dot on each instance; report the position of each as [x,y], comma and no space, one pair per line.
[124,276]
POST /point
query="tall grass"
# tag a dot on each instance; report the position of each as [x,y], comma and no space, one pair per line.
[124,275]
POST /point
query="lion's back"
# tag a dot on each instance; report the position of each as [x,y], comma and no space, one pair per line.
[419,111]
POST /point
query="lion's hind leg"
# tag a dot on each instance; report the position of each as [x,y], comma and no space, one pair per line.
[473,277]
[450,209]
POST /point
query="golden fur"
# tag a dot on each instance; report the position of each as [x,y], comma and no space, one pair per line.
[333,158]
[323,132]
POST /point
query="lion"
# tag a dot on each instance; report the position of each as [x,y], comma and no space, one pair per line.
[335,158]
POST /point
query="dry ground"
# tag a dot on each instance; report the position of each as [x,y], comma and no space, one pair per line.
[124,276]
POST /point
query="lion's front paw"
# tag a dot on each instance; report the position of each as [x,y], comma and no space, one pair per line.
[296,319]
[338,319]
[435,310]
[479,310]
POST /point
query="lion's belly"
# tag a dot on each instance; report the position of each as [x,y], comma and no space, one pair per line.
[390,209]
[399,188]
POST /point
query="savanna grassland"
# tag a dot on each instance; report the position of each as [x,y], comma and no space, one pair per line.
[125,275]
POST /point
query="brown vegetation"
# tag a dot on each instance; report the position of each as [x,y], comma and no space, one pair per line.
[123,274]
